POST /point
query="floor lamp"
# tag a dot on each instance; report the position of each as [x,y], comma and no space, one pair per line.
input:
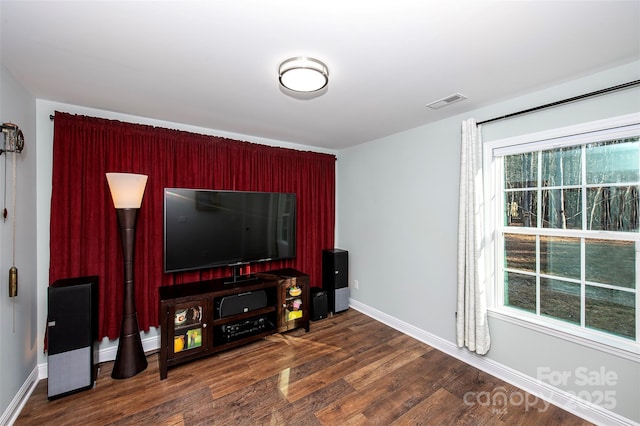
[127,190]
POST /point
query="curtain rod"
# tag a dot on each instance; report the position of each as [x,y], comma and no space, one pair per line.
[564,101]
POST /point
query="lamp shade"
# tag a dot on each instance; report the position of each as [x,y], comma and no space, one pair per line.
[126,189]
[303,74]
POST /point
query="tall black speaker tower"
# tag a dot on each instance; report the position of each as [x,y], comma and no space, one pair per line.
[72,335]
[335,278]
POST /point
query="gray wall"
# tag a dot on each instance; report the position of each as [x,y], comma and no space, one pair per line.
[397,215]
[19,330]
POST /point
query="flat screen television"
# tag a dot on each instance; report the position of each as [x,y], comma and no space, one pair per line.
[210,228]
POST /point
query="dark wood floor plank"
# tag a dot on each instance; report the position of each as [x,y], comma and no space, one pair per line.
[317,380]
[371,394]
[302,411]
[396,404]
[440,408]
[199,404]
[250,402]
[348,370]
[370,373]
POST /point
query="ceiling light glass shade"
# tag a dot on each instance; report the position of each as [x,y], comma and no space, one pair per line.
[303,74]
[127,189]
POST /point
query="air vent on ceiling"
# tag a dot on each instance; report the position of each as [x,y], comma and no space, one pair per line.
[451,99]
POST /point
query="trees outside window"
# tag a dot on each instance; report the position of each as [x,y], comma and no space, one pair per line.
[566,234]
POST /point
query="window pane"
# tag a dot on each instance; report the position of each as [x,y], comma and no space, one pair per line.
[520,252]
[612,161]
[613,208]
[562,166]
[562,208]
[560,256]
[520,291]
[611,310]
[610,262]
[520,208]
[521,170]
[560,300]
[570,221]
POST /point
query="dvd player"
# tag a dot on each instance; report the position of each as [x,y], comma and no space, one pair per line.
[243,328]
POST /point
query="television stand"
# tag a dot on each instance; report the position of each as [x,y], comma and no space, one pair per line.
[193,324]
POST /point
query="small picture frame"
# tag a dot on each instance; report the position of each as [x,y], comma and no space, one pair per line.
[194,338]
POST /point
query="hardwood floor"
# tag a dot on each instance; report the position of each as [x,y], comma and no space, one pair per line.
[348,370]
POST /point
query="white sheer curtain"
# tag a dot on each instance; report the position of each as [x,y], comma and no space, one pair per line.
[472,328]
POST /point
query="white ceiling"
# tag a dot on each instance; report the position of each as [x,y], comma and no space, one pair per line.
[215,63]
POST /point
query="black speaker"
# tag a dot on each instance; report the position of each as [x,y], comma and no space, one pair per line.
[72,335]
[335,278]
[319,304]
[242,302]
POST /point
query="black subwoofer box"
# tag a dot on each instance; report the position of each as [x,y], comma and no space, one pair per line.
[319,304]
[72,335]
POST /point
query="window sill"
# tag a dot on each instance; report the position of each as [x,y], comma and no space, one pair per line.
[618,347]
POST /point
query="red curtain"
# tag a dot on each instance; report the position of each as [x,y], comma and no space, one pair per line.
[85,238]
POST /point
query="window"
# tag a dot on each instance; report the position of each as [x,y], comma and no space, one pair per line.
[565,215]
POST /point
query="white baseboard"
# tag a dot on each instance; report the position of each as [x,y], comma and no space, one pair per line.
[149,344]
[584,409]
[20,399]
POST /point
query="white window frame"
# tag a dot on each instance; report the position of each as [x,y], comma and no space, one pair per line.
[608,129]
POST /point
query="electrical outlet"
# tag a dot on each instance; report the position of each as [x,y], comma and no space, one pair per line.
[355,284]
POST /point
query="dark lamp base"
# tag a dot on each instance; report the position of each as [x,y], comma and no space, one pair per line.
[130,359]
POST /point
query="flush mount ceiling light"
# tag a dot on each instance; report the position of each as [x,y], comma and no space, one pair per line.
[302,74]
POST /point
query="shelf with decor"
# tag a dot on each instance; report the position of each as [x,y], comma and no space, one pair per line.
[294,309]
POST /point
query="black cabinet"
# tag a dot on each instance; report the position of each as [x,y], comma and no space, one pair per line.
[72,335]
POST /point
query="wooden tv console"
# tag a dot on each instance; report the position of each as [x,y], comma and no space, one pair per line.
[201,318]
